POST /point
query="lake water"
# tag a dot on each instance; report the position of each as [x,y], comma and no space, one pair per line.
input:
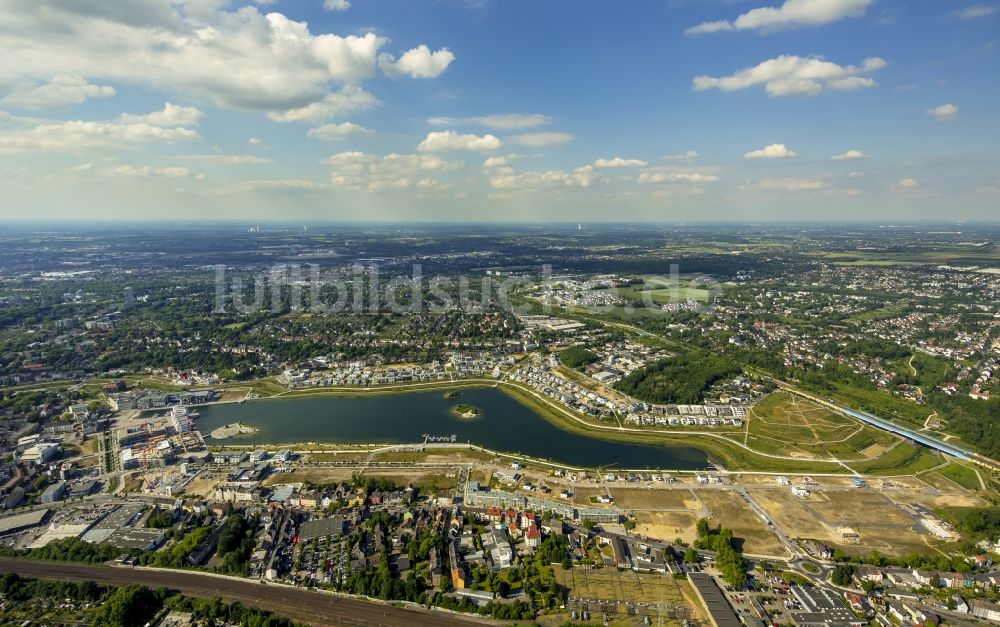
[505,425]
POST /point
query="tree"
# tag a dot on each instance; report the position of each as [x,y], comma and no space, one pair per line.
[128,606]
[702,527]
[842,575]
[691,555]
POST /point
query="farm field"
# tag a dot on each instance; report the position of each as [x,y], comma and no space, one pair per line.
[784,424]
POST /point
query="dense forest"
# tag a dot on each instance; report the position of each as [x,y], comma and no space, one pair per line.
[576,356]
[682,379]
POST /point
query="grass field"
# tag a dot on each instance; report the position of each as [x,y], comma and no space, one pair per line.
[787,425]
[902,459]
[962,475]
[662,291]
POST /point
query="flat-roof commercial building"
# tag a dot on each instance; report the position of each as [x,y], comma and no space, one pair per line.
[20,522]
[321,527]
[55,492]
[720,612]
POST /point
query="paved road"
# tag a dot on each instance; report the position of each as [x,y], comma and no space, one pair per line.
[295,603]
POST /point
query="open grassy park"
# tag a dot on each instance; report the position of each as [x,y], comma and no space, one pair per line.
[660,291]
[787,425]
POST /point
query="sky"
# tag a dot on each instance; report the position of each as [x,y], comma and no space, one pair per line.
[500,110]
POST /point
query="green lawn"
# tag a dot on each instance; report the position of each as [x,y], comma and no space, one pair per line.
[787,425]
[962,475]
[904,459]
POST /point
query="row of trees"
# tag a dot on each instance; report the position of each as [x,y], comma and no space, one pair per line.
[67,550]
[236,544]
[728,559]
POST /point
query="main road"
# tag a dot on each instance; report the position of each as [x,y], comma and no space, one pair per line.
[317,608]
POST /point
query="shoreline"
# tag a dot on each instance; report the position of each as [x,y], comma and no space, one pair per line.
[722,452]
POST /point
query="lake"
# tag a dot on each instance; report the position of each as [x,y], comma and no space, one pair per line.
[505,425]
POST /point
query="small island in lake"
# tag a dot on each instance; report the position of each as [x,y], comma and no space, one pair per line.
[466,411]
[232,430]
[451,394]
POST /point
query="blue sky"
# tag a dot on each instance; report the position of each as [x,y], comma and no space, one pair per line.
[500,110]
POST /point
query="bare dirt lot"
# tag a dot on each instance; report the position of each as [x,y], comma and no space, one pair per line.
[667,525]
[856,507]
[729,510]
[882,525]
[655,498]
[581,496]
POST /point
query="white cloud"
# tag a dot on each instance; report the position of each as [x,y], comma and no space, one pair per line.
[236,58]
[334,132]
[850,155]
[83,167]
[497,121]
[618,162]
[689,155]
[434,184]
[61,91]
[907,183]
[348,100]
[280,185]
[791,14]
[336,5]
[944,113]
[696,178]
[253,141]
[790,184]
[147,171]
[710,27]
[584,176]
[537,140]
[362,171]
[171,115]
[441,141]
[418,62]
[229,159]
[976,11]
[791,75]
[497,162]
[79,135]
[771,151]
